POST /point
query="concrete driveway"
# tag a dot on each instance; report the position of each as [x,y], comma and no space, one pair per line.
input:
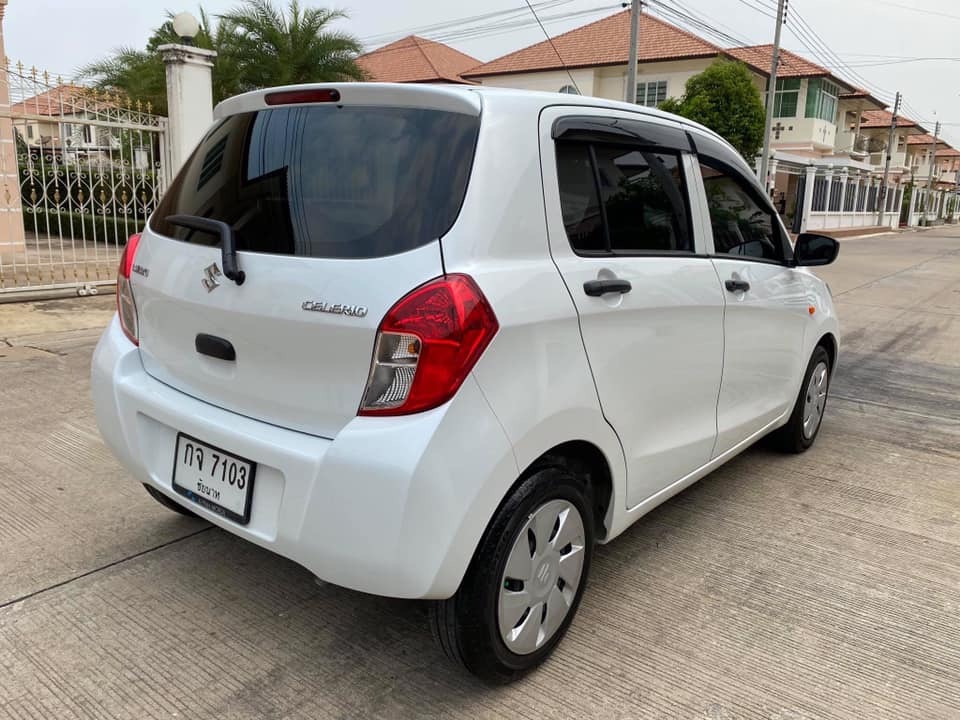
[825,585]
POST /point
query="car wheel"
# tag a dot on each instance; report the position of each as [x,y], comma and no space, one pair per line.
[167,502]
[801,430]
[525,582]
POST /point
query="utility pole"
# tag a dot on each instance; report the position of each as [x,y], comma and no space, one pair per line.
[771,93]
[891,144]
[933,156]
[635,9]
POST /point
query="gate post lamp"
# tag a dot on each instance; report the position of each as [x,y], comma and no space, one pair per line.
[186,26]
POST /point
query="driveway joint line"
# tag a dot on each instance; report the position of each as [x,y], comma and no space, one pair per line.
[88,573]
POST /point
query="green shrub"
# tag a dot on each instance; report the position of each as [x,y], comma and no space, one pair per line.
[105,229]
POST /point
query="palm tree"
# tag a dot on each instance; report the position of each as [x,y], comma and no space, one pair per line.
[273,47]
[257,44]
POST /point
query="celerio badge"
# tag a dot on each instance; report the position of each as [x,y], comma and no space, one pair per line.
[334,309]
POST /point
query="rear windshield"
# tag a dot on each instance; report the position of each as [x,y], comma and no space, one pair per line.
[327,181]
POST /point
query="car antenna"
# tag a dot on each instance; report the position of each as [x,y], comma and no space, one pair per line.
[550,40]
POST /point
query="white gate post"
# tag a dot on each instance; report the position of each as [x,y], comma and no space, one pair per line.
[844,176]
[914,193]
[807,197]
[189,98]
[11,209]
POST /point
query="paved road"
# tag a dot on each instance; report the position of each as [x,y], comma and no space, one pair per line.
[786,588]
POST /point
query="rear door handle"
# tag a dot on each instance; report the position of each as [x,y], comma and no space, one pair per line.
[737,285]
[596,288]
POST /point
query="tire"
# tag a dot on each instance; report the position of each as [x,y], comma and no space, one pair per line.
[467,625]
[167,502]
[797,435]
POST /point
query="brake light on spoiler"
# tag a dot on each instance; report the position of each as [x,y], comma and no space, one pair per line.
[297,97]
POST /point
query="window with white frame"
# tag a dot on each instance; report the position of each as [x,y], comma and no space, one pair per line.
[822,99]
[651,93]
[569,90]
[786,97]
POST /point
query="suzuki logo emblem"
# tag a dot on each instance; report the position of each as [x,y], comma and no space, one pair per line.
[211,277]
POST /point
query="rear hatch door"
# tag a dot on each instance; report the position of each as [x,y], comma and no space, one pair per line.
[337,210]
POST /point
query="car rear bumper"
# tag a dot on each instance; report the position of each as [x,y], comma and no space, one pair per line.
[391,506]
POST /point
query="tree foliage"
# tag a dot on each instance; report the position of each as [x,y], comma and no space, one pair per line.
[725,99]
[258,45]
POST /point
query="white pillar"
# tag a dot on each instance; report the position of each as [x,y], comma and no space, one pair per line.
[807,197]
[829,175]
[189,98]
[844,175]
[11,209]
[914,194]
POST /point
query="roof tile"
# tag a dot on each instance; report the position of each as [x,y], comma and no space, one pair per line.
[791,65]
[53,102]
[604,42]
[416,59]
[882,118]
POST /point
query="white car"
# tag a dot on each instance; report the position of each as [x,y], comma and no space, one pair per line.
[436,342]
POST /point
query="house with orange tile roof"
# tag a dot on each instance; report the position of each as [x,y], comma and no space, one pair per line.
[947,171]
[416,60]
[43,118]
[828,142]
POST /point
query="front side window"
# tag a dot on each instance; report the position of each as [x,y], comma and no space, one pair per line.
[651,93]
[786,97]
[822,99]
[742,224]
[623,200]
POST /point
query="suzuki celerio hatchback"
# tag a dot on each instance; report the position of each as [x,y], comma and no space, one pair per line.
[436,342]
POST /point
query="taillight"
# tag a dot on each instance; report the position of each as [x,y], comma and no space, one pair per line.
[126,307]
[427,345]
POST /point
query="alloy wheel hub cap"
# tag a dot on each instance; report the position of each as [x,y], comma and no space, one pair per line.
[541,577]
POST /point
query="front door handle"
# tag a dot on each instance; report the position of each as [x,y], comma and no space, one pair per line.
[596,288]
[737,285]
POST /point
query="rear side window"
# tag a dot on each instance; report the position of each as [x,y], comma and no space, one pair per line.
[623,200]
[327,181]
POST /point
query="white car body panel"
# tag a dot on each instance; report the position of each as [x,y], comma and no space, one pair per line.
[397,505]
[656,352]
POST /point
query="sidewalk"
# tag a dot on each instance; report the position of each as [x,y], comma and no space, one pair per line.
[23,324]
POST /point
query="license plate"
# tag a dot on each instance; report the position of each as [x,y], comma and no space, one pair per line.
[219,481]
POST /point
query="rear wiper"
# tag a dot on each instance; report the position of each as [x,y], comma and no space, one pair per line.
[228,241]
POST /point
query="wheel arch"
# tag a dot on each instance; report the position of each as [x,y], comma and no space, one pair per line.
[828,342]
[588,463]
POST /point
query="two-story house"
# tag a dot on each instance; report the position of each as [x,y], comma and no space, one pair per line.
[828,140]
[816,113]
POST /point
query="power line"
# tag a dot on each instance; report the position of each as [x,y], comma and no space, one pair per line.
[550,40]
[917,10]
[499,28]
[760,9]
[457,22]
[685,19]
[716,23]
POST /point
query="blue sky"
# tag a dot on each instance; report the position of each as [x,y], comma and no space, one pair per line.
[60,37]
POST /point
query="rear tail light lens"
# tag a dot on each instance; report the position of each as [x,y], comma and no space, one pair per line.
[126,307]
[427,345]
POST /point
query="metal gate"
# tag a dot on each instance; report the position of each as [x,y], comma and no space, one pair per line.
[89,168]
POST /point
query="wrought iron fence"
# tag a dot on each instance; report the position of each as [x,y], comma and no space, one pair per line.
[90,168]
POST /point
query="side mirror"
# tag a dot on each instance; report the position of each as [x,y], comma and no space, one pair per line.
[813,249]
